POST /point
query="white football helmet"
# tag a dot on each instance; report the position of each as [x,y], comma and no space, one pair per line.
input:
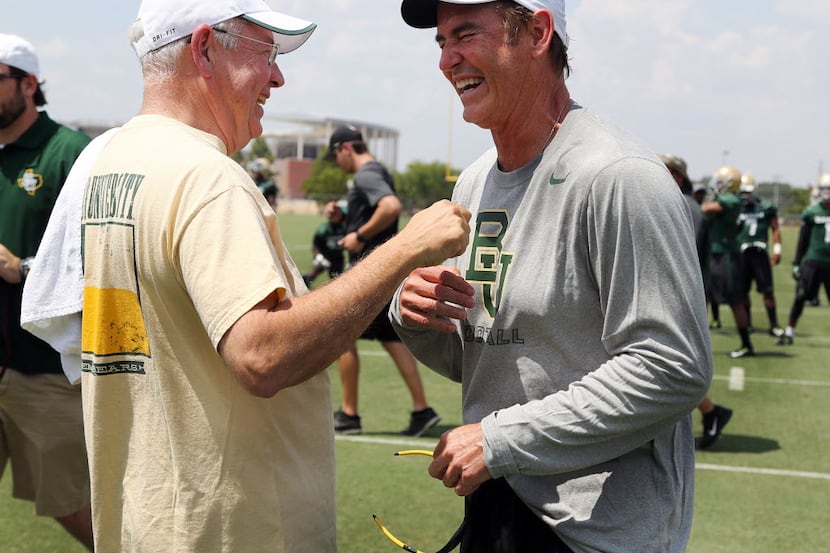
[747,184]
[726,179]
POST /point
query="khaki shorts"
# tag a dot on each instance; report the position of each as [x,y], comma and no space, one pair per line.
[42,432]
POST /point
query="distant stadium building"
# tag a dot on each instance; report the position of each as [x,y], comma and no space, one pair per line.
[296,142]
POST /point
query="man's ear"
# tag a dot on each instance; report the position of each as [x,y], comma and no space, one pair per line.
[541,31]
[28,84]
[203,47]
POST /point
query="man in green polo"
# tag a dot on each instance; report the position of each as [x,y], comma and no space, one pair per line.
[41,421]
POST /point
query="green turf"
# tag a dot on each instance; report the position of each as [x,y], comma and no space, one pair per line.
[764,487]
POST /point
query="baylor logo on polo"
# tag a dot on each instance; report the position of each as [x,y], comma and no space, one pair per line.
[30,181]
[488,262]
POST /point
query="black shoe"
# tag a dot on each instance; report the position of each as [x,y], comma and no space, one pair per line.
[784,340]
[713,424]
[744,351]
[420,422]
[346,424]
[715,324]
[776,331]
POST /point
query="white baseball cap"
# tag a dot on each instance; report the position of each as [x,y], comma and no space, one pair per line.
[423,14]
[165,21]
[19,53]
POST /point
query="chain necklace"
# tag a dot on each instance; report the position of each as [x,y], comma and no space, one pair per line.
[558,123]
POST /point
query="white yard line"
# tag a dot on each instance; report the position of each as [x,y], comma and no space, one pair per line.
[761,470]
[736,379]
[403,442]
[775,380]
[737,375]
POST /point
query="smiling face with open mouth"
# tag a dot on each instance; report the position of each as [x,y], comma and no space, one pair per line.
[477,59]
[246,78]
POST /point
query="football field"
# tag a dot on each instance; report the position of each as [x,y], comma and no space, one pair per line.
[763,487]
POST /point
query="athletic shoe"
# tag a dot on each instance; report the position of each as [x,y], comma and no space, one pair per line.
[713,424]
[745,351]
[714,324]
[346,424]
[420,422]
[776,331]
[784,340]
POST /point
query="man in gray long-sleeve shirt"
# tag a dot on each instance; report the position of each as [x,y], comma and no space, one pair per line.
[575,319]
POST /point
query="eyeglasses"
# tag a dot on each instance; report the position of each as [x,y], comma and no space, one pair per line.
[275,48]
[449,546]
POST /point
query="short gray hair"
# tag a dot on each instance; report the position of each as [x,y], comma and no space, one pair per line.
[162,63]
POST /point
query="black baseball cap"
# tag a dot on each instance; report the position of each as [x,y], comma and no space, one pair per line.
[340,136]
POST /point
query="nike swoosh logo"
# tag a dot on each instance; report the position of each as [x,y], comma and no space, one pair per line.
[555,181]
[714,430]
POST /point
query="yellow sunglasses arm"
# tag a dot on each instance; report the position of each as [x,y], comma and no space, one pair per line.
[392,538]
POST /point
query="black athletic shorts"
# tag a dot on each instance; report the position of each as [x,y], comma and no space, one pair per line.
[755,265]
[813,275]
[497,521]
[381,329]
[725,279]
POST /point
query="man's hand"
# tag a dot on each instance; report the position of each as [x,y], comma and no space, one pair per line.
[458,459]
[775,259]
[351,243]
[9,266]
[432,295]
[436,233]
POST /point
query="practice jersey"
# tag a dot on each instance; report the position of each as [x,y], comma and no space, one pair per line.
[326,238]
[755,222]
[723,226]
[818,218]
[371,183]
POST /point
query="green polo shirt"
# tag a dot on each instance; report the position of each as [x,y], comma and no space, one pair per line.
[32,172]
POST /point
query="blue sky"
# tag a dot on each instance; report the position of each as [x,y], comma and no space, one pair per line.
[740,81]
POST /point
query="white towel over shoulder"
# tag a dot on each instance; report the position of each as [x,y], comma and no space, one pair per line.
[53,294]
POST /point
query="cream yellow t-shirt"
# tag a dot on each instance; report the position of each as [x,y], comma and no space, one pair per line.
[178,243]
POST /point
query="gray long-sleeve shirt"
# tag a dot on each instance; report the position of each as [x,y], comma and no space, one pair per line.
[588,346]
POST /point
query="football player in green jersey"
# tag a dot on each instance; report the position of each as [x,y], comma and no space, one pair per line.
[758,218]
[811,266]
[727,284]
[714,416]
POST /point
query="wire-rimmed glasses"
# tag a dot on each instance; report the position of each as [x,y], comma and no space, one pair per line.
[275,47]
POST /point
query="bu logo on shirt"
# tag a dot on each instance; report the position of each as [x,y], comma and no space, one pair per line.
[30,181]
[489,263]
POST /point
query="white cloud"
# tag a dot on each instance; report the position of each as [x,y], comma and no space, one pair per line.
[688,79]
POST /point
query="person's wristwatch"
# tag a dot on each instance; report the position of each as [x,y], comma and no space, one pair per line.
[360,238]
[25,265]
